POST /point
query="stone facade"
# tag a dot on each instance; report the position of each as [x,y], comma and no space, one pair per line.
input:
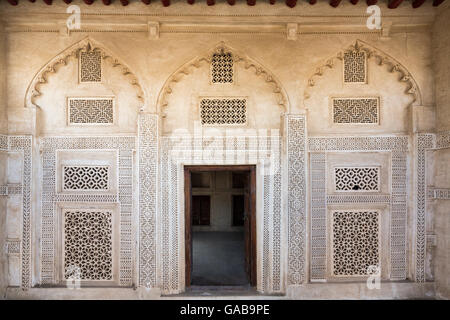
[340,120]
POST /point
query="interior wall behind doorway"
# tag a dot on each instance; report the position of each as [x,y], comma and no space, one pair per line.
[221,187]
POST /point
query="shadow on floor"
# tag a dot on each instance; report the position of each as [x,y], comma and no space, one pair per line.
[218,259]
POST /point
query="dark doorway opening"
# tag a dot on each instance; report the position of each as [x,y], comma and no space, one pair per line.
[220,229]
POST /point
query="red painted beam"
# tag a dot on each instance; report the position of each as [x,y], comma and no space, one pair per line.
[48,2]
[65,1]
[312,2]
[354,2]
[251,2]
[417,3]
[291,3]
[13,2]
[437,2]
[334,3]
[272,1]
[394,3]
[210,2]
[191,1]
[124,2]
[147,2]
[88,2]
[165,3]
[32,1]
[231,2]
[371,2]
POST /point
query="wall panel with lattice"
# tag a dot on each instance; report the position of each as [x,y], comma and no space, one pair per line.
[357,179]
[88,244]
[90,68]
[355,70]
[356,110]
[222,67]
[223,111]
[90,111]
[355,242]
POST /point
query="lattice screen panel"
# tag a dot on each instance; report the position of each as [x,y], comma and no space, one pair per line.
[90,66]
[91,111]
[85,178]
[88,245]
[357,178]
[355,67]
[355,242]
[223,111]
[222,67]
[358,110]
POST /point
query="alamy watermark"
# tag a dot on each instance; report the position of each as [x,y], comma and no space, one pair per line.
[74,20]
[374,280]
[374,21]
[73,277]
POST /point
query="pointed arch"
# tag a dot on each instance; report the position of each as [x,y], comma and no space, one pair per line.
[62,59]
[381,59]
[238,58]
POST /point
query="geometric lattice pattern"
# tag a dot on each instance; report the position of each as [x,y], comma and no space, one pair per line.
[123,199]
[90,111]
[86,178]
[357,178]
[355,242]
[90,66]
[148,164]
[355,66]
[88,244]
[222,67]
[363,110]
[223,111]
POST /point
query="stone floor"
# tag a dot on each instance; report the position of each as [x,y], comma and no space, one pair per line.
[218,259]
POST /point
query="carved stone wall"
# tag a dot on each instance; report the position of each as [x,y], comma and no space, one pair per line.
[262,151]
[148,185]
[296,175]
[124,147]
[397,200]
[22,246]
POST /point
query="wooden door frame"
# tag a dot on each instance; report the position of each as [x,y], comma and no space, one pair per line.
[188,169]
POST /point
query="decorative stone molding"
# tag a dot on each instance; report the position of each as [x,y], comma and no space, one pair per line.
[296,159]
[125,147]
[10,189]
[438,193]
[423,142]
[3,142]
[23,144]
[443,140]
[344,199]
[262,151]
[13,246]
[238,58]
[397,200]
[62,59]
[148,168]
[381,59]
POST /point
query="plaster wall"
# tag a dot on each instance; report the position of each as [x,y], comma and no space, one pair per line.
[3,159]
[441,64]
[292,64]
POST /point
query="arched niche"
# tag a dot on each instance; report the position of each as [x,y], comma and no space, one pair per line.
[386,79]
[179,100]
[59,80]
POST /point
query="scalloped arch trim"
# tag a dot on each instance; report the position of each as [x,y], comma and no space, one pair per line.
[62,59]
[238,57]
[381,59]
